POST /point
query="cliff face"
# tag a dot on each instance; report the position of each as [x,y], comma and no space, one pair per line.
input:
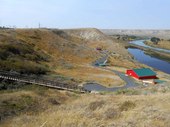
[95,38]
[91,34]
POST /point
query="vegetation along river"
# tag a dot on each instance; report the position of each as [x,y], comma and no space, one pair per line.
[140,56]
[156,63]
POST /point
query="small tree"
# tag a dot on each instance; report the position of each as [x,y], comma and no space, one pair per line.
[155,40]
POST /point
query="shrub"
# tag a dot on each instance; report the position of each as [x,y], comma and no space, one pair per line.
[53,101]
[111,113]
[97,104]
[23,50]
[14,106]
[127,105]
[7,85]
[154,90]
[155,40]
[22,57]
[23,67]
[128,92]
[4,54]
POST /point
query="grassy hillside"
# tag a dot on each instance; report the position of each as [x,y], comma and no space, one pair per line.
[95,38]
[65,52]
[19,56]
[29,100]
[67,56]
[129,108]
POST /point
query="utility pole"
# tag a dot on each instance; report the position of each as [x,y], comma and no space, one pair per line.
[39,25]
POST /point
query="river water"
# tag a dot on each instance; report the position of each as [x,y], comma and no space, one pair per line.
[140,56]
[156,63]
[141,43]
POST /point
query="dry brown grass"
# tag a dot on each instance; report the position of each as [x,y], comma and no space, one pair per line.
[72,57]
[93,74]
[67,52]
[30,100]
[71,54]
[102,110]
[118,61]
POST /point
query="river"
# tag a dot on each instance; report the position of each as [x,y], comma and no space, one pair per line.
[141,43]
[156,63]
[140,56]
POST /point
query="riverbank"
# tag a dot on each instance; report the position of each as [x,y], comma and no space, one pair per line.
[153,57]
[157,54]
[154,52]
[154,62]
[164,44]
[143,55]
[143,45]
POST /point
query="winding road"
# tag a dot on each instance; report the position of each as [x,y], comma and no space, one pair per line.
[129,81]
[97,87]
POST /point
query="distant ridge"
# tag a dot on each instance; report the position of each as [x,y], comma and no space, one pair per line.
[164,34]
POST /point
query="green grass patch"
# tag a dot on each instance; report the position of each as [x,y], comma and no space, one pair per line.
[158,55]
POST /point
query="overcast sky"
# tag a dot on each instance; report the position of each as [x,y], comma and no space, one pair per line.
[112,14]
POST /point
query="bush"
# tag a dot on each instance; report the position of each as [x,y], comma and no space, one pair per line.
[7,85]
[23,67]
[97,104]
[23,51]
[128,92]
[127,105]
[112,113]
[21,57]
[4,54]
[16,48]
[14,106]
[53,101]
[155,40]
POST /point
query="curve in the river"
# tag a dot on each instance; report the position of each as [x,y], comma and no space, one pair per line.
[156,63]
[129,81]
[148,60]
[141,43]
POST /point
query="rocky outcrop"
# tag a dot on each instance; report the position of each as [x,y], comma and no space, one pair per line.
[90,34]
